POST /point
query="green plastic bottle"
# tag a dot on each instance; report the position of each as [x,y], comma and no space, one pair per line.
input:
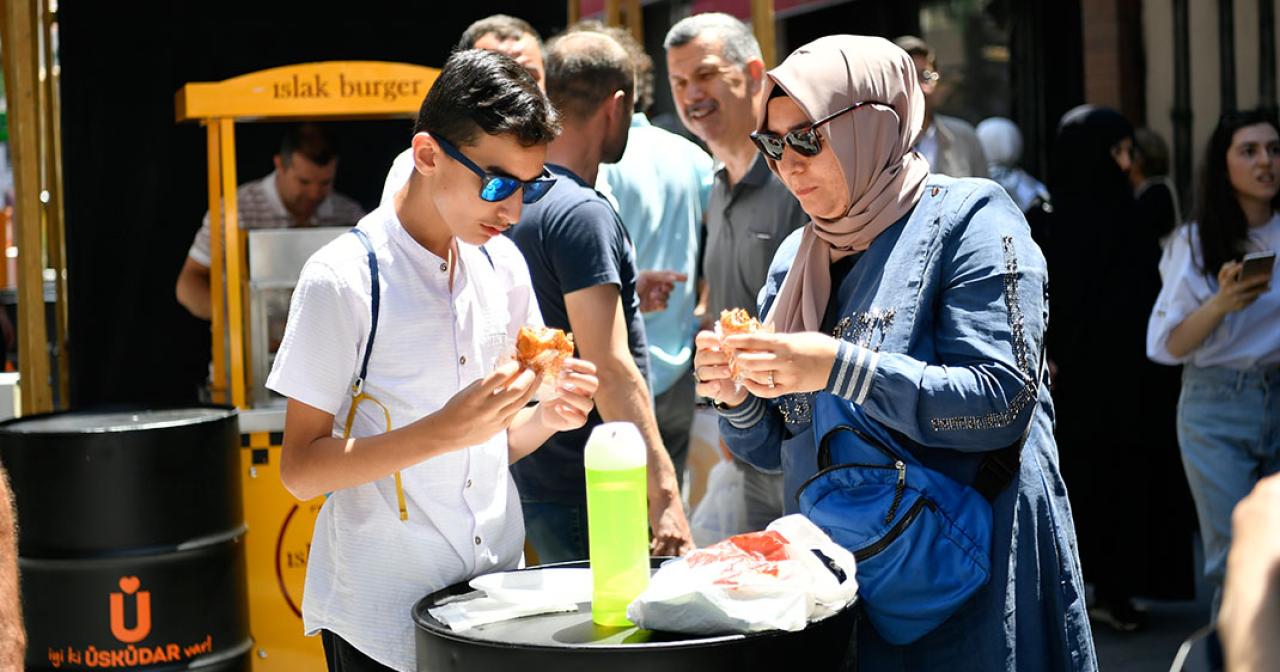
[617,520]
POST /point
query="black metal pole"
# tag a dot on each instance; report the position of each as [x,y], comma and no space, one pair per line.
[1181,113]
[1267,55]
[1227,54]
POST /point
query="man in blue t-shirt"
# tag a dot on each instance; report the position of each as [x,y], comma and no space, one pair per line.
[584,275]
[661,186]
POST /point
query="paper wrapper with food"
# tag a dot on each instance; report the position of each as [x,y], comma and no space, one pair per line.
[731,322]
[542,349]
[784,578]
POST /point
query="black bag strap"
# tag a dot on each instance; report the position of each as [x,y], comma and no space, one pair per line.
[999,467]
[358,386]
[824,446]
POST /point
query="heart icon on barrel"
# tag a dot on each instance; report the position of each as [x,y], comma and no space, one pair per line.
[129,584]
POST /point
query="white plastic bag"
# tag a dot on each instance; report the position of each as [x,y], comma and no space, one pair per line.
[722,512]
[781,579]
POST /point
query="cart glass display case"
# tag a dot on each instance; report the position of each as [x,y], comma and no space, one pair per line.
[276,257]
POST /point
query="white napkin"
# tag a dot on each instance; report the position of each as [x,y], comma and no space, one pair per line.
[462,616]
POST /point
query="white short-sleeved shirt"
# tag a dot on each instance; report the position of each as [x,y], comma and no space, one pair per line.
[1245,339]
[367,567]
[259,206]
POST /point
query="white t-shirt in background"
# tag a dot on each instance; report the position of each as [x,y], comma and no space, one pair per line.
[1246,338]
[367,568]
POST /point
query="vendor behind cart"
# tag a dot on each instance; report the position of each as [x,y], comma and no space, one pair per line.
[299,192]
[420,496]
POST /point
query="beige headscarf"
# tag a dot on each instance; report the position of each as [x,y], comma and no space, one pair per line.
[873,144]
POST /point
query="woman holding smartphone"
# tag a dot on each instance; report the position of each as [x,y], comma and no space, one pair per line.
[1220,317]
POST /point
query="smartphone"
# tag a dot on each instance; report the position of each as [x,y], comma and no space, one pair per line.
[1257,263]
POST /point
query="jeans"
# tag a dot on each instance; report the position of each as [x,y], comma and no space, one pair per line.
[557,531]
[1229,433]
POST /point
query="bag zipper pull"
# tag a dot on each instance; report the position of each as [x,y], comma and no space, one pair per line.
[898,491]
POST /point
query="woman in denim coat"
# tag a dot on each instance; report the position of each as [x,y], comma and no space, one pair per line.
[918,300]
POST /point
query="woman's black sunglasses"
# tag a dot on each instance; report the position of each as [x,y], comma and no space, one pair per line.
[806,141]
[496,187]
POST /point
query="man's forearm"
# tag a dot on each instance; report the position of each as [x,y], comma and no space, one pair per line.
[192,290]
[624,396]
[1250,614]
[13,639]
[197,302]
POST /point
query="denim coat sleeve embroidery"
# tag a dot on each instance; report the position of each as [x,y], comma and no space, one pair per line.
[989,316]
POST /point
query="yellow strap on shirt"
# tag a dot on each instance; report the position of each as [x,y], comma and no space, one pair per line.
[357,388]
[358,395]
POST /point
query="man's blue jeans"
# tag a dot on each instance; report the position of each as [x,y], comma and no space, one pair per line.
[556,530]
[1229,432]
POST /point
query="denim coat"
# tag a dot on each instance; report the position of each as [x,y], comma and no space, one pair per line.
[942,323]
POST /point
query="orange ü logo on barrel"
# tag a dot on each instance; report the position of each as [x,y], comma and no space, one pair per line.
[142,625]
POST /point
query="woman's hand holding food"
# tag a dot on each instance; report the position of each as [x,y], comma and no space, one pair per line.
[776,364]
[711,368]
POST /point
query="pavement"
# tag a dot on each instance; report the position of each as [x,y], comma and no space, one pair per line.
[1153,648]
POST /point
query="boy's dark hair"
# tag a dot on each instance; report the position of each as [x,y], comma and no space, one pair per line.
[1222,226]
[641,60]
[585,68]
[313,141]
[486,92]
[505,27]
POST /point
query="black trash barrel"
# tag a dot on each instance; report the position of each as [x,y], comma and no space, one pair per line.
[130,539]
[570,642]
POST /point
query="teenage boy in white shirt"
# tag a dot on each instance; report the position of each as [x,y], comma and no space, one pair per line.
[420,495]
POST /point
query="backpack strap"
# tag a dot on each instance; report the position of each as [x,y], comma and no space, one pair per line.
[375,300]
[375,292]
[999,467]
[357,388]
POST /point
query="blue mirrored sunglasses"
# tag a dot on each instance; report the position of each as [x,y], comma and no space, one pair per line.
[496,187]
